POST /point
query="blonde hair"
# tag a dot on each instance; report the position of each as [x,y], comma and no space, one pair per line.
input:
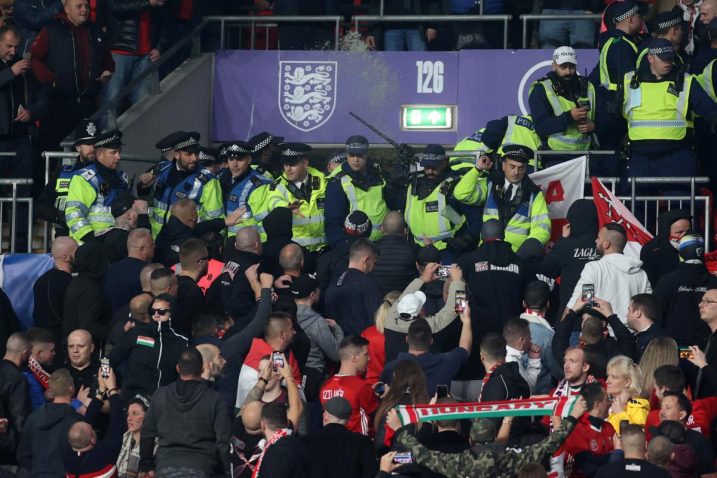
[660,351]
[624,366]
[384,308]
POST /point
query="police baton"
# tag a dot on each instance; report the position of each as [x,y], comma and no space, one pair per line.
[375,130]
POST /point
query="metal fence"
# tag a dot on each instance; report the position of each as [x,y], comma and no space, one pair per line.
[13,200]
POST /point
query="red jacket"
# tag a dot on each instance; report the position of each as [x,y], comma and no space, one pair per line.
[376,353]
[704,410]
[587,437]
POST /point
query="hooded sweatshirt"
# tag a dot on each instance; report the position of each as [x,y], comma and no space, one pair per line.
[617,277]
[44,440]
[659,256]
[571,254]
[85,304]
[192,423]
[324,339]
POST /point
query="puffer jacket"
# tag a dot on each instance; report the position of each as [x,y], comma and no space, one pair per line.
[124,23]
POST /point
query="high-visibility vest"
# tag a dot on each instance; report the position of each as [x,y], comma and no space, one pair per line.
[470,143]
[705,80]
[605,80]
[656,110]
[530,220]
[62,184]
[238,197]
[432,217]
[89,202]
[201,187]
[571,139]
[308,226]
[370,200]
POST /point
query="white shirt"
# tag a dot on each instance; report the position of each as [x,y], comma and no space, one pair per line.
[529,369]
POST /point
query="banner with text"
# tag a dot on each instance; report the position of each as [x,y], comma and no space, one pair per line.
[307,95]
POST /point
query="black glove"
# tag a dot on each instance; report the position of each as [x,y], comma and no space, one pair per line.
[461,243]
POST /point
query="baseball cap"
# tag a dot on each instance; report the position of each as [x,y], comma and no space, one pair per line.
[565,54]
[121,204]
[302,286]
[339,407]
[482,431]
[358,224]
[670,429]
[692,247]
[433,155]
[410,305]
[357,145]
[662,48]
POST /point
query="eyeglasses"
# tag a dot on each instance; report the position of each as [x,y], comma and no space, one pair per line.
[159,311]
[707,301]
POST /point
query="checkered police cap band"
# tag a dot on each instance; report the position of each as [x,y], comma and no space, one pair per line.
[292,153]
[191,141]
[263,143]
[235,150]
[669,23]
[661,50]
[204,156]
[432,157]
[114,139]
[624,16]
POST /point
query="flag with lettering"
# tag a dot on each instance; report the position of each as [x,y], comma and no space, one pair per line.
[562,185]
[611,209]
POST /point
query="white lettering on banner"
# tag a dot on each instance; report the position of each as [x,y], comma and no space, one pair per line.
[429,78]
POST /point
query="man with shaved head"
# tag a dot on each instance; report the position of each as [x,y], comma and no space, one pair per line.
[213,362]
[123,277]
[49,289]
[122,318]
[396,265]
[80,361]
[14,393]
[616,277]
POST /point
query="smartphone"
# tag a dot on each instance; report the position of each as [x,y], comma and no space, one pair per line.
[589,294]
[441,391]
[583,104]
[105,367]
[460,301]
[403,458]
[685,353]
[380,388]
[277,361]
[443,272]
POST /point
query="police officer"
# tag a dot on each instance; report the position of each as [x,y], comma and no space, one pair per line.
[239,181]
[508,195]
[179,179]
[266,154]
[705,64]
[668,25]
[432,213]
[94,188]
[210,162]
[658,105]
[303,190]
[618,56]
[356,185]
[511,129]
[51,203]
[562,105]
[334,159]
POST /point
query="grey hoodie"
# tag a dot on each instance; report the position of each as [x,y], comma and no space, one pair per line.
[324,339]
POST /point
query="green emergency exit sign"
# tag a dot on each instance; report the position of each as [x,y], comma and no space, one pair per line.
[428,117]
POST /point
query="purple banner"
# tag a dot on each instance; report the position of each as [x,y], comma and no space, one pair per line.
[307,95]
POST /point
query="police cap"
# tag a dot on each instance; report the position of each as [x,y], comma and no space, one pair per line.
[518,152]
[236,149]
[291,153]
[209,156]
[188,142]
[661,48]
[86,132]
[666,20]
[109,139]
[167,143]
[357,145]
[264,139]
[433,156]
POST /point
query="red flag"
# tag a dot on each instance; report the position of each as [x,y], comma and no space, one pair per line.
[611,209]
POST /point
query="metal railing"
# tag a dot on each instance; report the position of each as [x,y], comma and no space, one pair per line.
[528,17]
[252,20]
[14,199]
[588,153]
[438,19]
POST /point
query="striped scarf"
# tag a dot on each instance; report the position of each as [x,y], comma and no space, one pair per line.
[284,432]
[531,407]
[39,373]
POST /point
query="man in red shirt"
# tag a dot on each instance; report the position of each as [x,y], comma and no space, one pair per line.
[353,353]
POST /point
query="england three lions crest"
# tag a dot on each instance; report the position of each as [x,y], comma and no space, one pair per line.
[307,92]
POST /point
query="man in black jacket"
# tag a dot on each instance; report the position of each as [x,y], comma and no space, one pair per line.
[396,265]
[338,452]
[194,259]
[191,421]
[502,381]
[574,250]
[139,30]
[284,455]
[680,291]
[660,255]
[14,394]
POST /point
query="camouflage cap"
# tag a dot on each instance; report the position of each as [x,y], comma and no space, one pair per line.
[482,431]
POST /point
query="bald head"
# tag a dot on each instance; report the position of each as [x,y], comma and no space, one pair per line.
[248,239]
[186,211]
[163,281]
[81,436]
[63,251]
[146,274]
[139,306]
[140,244]
[291,258]
[80,348]
[251,417]
[209,352]
[394,224]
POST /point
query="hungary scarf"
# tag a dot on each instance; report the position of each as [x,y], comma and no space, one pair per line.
[531,407]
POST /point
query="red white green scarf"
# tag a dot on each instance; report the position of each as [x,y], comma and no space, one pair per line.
[531,407]
[284,432]
[39,373]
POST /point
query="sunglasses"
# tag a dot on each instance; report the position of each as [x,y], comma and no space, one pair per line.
[159,311]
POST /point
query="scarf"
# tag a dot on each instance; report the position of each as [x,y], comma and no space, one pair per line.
[486,378]
[284,432]
[531,407]
[689,14]
[564,389]
[39,373]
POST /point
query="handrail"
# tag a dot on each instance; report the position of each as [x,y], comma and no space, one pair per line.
[540,16]
[14,199]
[253,20]
[438,18]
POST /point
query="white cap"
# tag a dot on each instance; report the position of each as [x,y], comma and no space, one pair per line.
[411,304]
[565,54]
